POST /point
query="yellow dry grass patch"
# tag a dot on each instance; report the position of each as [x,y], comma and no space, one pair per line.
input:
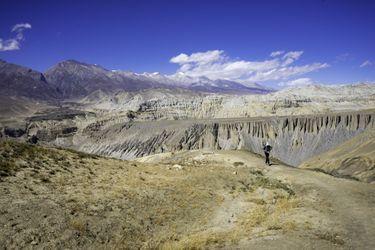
[265,217]
[151,205]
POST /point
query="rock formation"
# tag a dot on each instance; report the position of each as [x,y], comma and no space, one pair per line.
[294,139]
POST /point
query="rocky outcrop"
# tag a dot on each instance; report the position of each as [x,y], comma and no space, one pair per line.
[13,132]
[294,139]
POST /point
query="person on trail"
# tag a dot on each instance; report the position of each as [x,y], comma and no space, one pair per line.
[267,150]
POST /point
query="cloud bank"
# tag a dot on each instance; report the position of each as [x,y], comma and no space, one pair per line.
[297,82]
[215,64]
[277,53]
[15,42]
[366,63]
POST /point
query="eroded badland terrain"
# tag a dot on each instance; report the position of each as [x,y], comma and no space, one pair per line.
[131,161]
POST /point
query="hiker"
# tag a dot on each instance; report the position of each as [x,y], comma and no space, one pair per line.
[267,150]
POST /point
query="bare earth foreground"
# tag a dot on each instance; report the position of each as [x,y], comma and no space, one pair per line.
[51,198]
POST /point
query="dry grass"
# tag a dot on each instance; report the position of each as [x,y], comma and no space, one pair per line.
[262,215]
[333,237]
[268,218]
[135,205]
[78,224]
[15,156]
[199,240]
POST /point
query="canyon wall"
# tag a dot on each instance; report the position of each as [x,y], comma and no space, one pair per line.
[294,139]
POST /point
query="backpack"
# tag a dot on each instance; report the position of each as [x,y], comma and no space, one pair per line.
[267,148]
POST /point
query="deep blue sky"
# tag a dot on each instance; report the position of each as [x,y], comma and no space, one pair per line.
[144,35]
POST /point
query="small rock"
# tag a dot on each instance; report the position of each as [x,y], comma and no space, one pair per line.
[177,167]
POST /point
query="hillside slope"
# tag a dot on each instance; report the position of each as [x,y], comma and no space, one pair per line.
[354,158]
[329,209]
[51,198]
[16,80]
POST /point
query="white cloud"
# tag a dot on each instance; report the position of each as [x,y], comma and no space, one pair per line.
[215,64]
[298,82]
[342,57]
[293,54]
[14,43]
[366,63]
[277,53]
[10,44]
[200,57]
[20,27]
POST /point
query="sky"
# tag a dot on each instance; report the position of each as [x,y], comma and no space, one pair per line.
[275,43]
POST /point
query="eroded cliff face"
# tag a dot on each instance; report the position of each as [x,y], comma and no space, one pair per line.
[294,139]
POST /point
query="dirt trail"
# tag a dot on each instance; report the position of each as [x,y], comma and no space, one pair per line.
[351,202]
[341,211]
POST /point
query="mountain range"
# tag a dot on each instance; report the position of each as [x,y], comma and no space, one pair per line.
[72,79]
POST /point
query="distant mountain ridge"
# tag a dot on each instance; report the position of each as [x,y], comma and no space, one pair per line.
[76,79]
[16,80]
[201,83]
[72,79]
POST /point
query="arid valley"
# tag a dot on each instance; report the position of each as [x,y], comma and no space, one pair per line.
[187,124]
[176,168]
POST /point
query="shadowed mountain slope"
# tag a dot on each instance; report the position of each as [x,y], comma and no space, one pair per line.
[76,79]
[20,81]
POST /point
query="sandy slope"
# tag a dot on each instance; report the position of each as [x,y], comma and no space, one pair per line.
[354,159]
